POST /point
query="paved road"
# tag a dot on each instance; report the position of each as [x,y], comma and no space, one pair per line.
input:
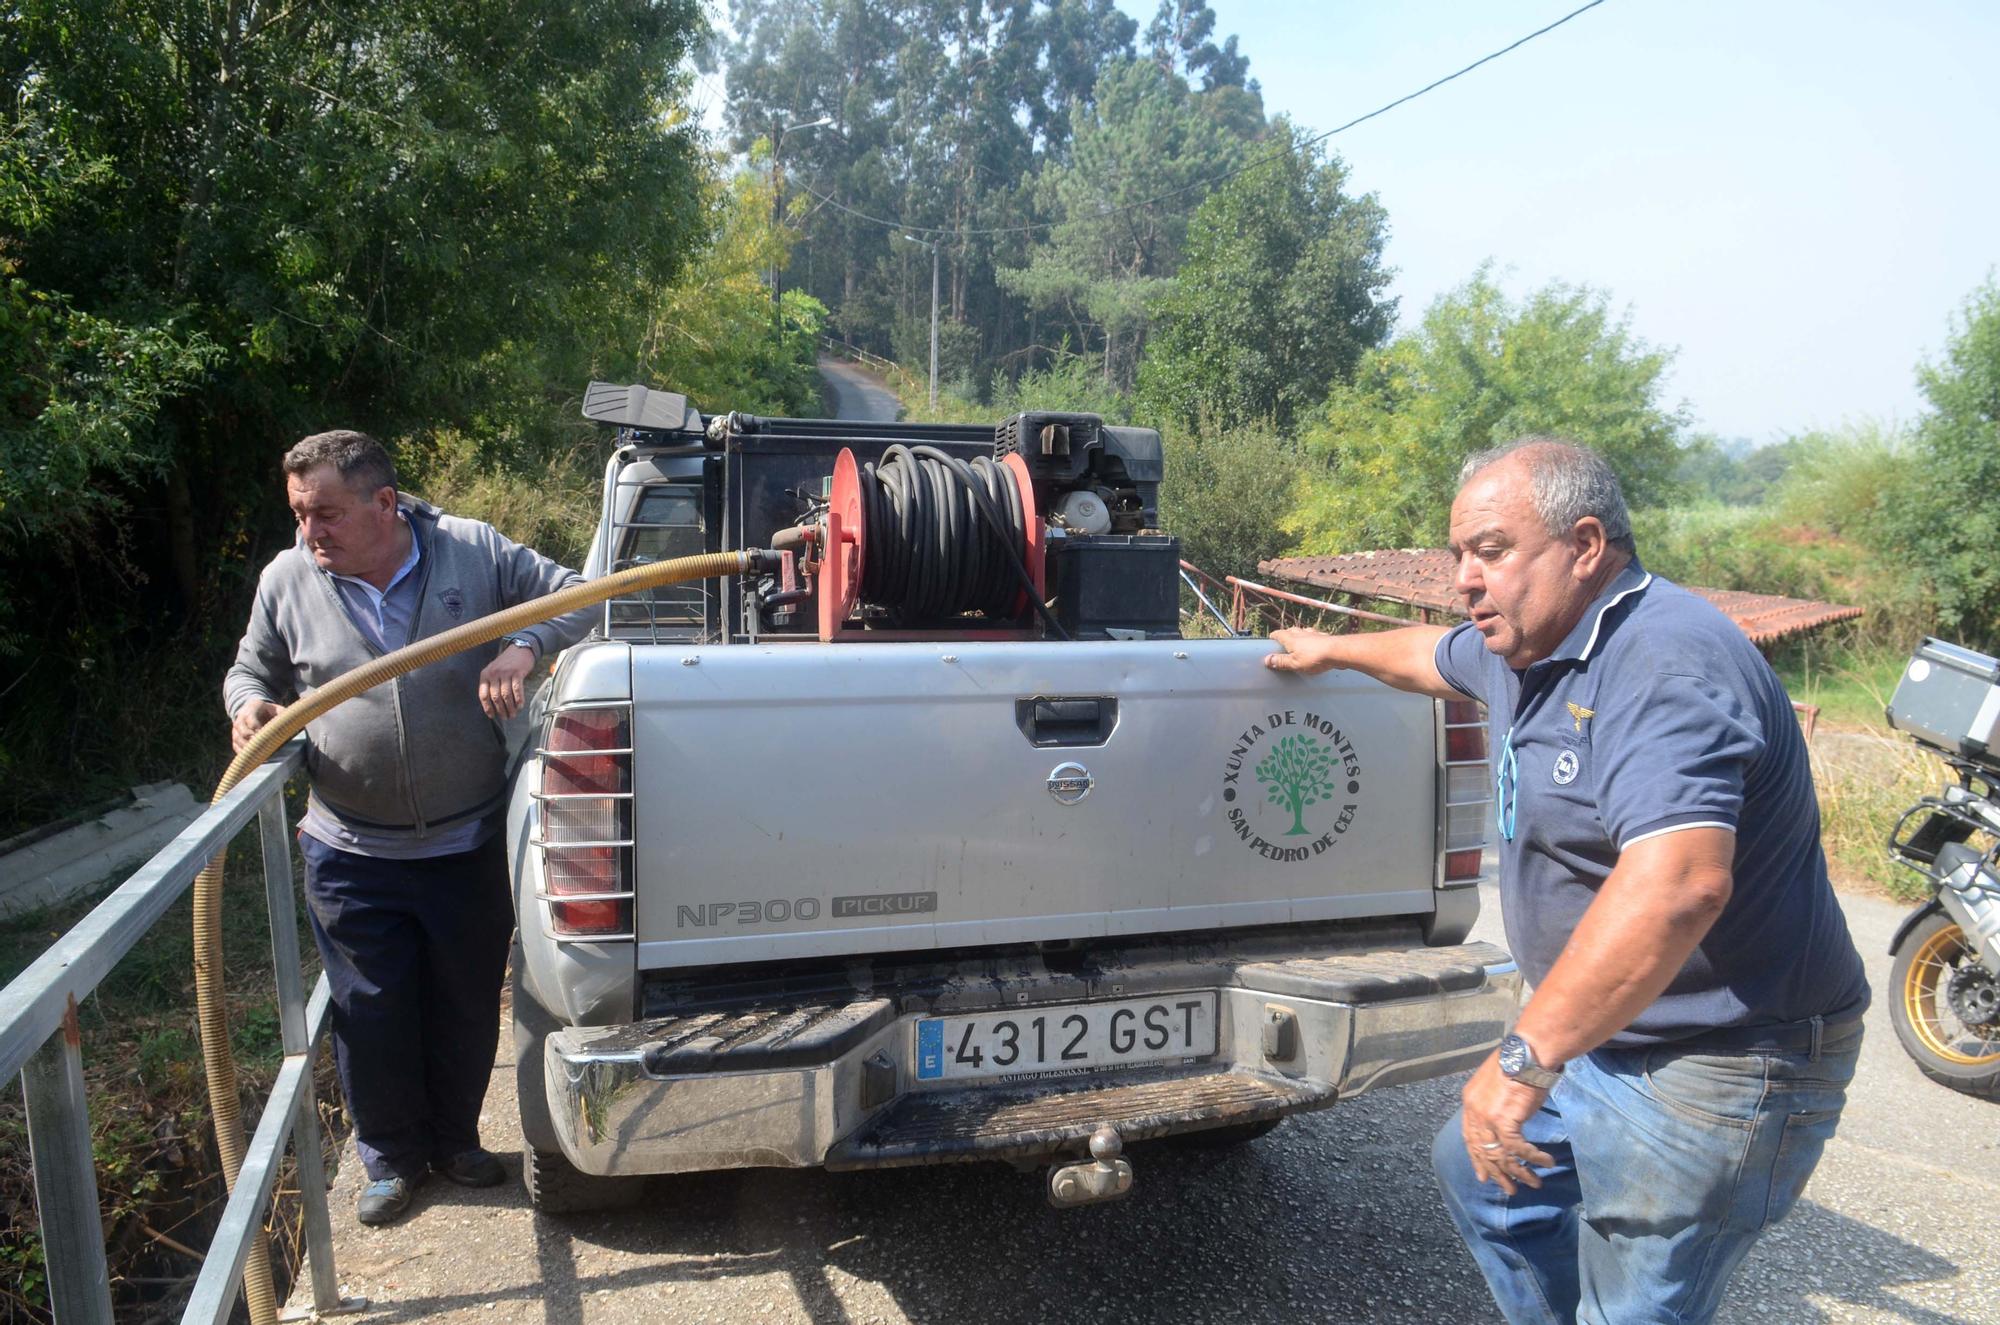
[857,393]
[1331,1218]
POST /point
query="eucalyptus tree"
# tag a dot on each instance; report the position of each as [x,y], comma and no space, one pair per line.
[1146,153]
[943,112]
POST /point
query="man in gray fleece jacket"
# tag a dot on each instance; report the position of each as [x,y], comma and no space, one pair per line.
[406,880]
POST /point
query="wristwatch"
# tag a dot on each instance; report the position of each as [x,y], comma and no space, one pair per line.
[1517,1063]
[525,642]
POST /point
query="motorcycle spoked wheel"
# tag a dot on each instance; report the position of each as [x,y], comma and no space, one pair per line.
[1949,1050]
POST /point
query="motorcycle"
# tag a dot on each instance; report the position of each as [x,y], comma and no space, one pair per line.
[1945,977]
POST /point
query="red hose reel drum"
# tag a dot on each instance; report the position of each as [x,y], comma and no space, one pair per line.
[845,548]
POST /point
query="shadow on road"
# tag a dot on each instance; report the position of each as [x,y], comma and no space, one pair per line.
[1316,1222]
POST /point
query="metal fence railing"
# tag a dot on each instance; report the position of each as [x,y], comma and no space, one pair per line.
[886,367]
[41,1041]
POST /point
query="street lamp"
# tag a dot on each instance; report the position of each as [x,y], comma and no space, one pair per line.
[932,245]
[778,184]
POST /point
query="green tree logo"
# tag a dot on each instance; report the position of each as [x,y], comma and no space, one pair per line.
[1296,773]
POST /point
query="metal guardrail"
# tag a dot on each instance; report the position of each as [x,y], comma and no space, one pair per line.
[877,362]
[41,1040]
[1242,591]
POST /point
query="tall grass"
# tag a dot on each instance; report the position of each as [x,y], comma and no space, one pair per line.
[1865,783]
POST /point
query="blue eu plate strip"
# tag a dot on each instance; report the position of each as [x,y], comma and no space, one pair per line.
[930,1050]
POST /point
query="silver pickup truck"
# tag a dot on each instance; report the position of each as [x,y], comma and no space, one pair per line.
[809,882]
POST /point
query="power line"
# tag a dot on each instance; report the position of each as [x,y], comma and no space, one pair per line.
[1210,182]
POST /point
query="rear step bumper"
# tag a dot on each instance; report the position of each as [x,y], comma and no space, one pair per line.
[941,1126]
[835,1084]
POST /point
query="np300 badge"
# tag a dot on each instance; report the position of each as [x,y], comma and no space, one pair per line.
[1070,783]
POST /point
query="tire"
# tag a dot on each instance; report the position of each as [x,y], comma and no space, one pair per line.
[557,1187]
[1223,1138]
[1949,1052]
[532,1024]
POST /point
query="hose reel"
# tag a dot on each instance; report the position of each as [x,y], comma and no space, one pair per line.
[923,538]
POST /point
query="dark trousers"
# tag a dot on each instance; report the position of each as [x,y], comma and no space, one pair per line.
[414,951]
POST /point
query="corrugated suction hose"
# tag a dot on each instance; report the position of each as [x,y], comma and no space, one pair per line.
[209,1003]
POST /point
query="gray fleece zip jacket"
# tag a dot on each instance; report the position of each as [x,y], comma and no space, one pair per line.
[417,754]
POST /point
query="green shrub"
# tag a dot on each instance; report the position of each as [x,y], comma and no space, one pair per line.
[1947,517]
[1073,383]
[552,508]
[1224,494]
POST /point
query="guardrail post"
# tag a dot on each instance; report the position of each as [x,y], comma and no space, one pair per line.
[286,967]
[66,1177]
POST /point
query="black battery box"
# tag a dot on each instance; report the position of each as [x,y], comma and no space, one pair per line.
[1116,586]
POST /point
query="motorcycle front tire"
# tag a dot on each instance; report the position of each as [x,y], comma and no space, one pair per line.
[1930,954]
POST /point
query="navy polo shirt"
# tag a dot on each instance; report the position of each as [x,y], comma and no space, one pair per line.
[1658,714]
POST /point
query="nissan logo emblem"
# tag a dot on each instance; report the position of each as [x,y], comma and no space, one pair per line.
[1070,783]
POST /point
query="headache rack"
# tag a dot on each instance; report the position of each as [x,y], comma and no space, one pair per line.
[651,515]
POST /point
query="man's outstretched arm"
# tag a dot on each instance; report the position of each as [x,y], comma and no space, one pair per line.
[1405,658]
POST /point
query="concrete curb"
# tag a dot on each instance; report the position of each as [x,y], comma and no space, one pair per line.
[60,866]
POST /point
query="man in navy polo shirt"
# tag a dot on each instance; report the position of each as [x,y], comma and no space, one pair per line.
[1697,1002]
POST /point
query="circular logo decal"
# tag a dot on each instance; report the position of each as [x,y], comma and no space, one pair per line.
[1070,783]
[1291,783]
[1566,768]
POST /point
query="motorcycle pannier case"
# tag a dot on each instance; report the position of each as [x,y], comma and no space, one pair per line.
[1949,697]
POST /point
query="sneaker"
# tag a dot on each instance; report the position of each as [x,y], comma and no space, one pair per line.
[472,1168]
[384,1200]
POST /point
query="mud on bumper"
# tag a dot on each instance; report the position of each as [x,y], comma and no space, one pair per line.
[833,1082]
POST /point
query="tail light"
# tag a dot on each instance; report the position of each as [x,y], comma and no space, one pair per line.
[584,822]
[1468,793]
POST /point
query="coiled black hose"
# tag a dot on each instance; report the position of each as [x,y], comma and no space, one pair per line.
[944,537]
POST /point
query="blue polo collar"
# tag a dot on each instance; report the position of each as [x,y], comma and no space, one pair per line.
[1584,635]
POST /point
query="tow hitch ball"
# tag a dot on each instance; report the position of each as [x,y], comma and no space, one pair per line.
[1105,1179]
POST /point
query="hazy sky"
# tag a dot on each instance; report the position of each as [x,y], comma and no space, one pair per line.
[1796,196]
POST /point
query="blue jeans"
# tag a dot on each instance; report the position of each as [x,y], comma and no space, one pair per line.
[1668,1165]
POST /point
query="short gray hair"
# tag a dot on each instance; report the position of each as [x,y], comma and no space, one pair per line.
[359,459]
[1567,483]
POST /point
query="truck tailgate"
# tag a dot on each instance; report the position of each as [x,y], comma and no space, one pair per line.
[805,800]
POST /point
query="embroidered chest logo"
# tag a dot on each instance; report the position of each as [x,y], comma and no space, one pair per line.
[1580,714]
[1566,767]
[453,602]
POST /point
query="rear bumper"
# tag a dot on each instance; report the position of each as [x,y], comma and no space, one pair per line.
[834,1083]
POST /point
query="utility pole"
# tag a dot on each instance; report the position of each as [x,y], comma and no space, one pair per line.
[934,313]
[778,184]
[932,245]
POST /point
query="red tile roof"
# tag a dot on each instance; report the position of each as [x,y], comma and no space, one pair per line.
[1421,577]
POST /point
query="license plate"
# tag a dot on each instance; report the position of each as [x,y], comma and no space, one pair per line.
[1075,1038]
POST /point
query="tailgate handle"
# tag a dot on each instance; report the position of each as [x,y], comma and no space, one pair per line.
[1049,721]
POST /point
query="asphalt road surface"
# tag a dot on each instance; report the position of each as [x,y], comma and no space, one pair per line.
[856,393]
[1333,1217]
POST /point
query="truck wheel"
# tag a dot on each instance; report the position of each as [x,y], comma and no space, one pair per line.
[1943,1006]
[1224,1138]
[557,1187]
